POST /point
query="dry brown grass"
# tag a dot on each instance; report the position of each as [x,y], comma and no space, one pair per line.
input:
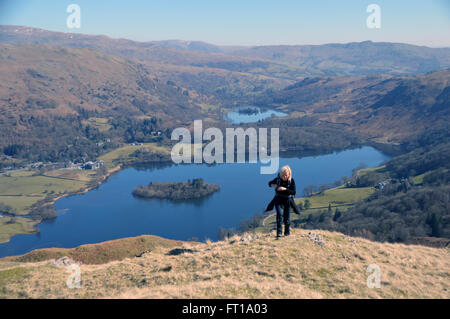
[99,253]
[257,267]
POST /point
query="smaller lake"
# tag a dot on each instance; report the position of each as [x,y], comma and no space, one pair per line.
[250,114]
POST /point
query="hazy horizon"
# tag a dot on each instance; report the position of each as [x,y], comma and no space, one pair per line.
[249,23]
[221,45]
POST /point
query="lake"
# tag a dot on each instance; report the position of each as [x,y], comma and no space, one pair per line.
[111,212]
[236,115]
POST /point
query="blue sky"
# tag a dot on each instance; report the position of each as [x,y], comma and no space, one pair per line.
[243,22]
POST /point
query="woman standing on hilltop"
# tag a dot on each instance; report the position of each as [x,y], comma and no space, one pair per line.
[284,185]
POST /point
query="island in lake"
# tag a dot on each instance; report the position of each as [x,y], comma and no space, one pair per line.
[195,188]
[249,111]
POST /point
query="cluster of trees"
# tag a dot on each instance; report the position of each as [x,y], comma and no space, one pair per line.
[420,160]
[319,139]
[138,130]
[438,177]
[7,209]
[195,188]
[310,135]
[435,135]
[141,156]
[52,139]
[249,111]
[400,217]
[367,179]
[47,212]
[68,138]
[98,177]
[401,211]
[44,209]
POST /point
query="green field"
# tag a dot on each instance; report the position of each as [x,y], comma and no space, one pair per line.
[122,153]
[21,189]
[10,226]
[371,169]
[339,197]
[418,179]
[100,123]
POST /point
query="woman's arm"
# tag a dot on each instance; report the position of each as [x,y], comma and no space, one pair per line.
[273,183]
[287,191]
[292,189]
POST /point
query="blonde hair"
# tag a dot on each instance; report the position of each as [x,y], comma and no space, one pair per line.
[286,170]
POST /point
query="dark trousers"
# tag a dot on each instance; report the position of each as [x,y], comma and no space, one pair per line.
[286,217]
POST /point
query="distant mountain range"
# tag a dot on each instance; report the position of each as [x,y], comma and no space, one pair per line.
[356,58]
[383,91]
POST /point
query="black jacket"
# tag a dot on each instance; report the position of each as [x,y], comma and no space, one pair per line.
[283,197]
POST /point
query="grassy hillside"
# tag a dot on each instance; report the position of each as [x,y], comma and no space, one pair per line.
[74,104]
[42,80]
[203,73]
[101,253]
[251,266]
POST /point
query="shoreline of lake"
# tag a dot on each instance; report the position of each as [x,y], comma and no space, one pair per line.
[154,170]
[119,167]
[53,200]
